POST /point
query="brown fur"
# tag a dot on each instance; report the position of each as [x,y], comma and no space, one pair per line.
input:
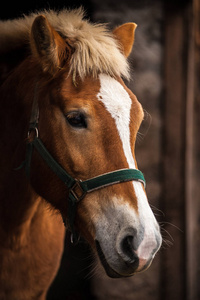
[31,229]
[31,232]
[125,34]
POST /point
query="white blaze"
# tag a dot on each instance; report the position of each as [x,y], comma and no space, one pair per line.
[118,103]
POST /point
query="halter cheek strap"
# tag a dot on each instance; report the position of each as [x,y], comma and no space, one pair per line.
[77,188]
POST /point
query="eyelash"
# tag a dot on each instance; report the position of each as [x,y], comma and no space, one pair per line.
[76,119]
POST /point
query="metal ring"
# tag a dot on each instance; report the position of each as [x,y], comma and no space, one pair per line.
[74,240]
[36,132]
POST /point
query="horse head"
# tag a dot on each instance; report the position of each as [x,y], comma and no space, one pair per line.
[88,121]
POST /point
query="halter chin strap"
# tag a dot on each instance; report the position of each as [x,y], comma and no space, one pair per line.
[77,188]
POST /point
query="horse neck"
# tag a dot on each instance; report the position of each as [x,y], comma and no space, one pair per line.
[18,200]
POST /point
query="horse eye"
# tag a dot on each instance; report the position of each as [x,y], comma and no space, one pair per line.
[76,119]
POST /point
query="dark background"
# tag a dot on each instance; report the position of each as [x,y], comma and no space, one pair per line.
[165,65]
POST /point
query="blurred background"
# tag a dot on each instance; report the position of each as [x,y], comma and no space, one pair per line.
[165,64]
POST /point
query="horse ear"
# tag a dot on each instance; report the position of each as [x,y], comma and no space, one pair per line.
[48,46]
[125,35]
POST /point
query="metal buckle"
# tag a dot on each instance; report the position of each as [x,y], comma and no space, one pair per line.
[77,191]
[74,239]
[31,129]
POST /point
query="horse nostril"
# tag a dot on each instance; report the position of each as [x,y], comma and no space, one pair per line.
[127,248]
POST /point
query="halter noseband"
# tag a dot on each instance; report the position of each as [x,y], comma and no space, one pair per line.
[77,188]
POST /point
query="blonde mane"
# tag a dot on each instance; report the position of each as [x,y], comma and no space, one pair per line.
[95,48]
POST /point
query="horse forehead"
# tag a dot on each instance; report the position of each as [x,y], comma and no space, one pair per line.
[120,102]
[115,98]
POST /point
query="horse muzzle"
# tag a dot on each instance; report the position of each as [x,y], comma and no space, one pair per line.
[131,251]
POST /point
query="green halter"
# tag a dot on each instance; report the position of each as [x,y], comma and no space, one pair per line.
[77,188]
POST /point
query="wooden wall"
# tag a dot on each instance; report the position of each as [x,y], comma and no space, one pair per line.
[192,175]
[173,262]
[181,201]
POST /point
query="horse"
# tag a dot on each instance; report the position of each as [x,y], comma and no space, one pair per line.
[68,131]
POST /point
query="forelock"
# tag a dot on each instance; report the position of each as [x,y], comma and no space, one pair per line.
[95,49]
